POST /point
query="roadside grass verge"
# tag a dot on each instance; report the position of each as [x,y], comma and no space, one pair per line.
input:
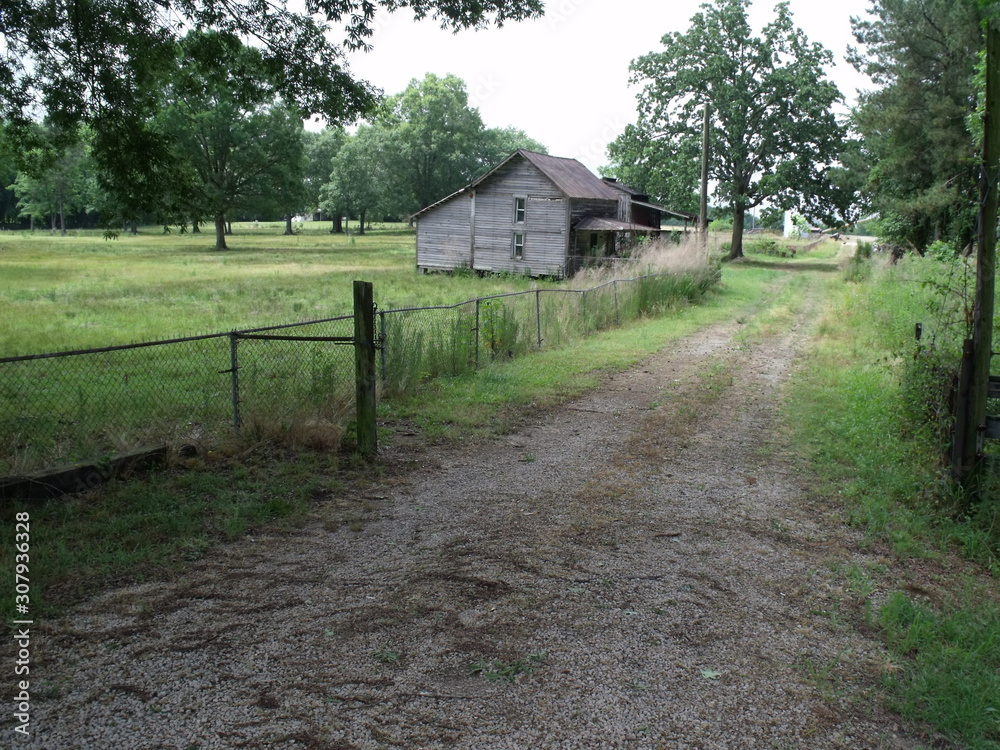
[863,412]
[495,399]
[143,527]
[951,679]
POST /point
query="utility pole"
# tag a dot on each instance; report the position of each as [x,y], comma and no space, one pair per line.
[969,441]
[703,219]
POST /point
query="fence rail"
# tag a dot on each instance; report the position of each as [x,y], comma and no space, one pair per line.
[69,406]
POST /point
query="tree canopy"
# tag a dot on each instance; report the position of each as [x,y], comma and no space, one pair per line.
[918,137]
[103,63]
[233,145]
[773,131]
[439,143]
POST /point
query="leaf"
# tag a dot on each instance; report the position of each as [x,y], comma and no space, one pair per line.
[710,674]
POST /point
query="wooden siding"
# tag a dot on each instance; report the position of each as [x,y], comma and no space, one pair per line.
[444,235]
[544,226]
[585,207]
[544,232]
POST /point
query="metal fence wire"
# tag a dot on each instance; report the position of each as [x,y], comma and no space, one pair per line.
[80,405]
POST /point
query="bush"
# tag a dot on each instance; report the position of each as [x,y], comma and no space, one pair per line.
[771,247]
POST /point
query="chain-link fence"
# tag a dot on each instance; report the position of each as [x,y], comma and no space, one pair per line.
[81,405]
[71,406]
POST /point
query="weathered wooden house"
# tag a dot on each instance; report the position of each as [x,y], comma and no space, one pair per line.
[533,214]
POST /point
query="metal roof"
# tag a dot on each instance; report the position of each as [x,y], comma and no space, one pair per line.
[568,175]
[600,224]
[571,177]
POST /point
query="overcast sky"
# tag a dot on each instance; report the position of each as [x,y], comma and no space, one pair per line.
[563,79]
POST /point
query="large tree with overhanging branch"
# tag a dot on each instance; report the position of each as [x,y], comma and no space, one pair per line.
[103,62]
[772,129]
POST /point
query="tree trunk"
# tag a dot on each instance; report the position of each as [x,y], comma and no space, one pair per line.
[739,217]
[220,233]
[195,227]
[62,216]
[338,224]
[229,227]
[134,229]
[288,225]
[52,222]
[361,221]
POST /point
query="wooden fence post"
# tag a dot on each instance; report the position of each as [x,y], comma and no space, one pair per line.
[364,367]
[974,430]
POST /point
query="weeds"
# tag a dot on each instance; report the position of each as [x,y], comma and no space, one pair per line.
[499,671]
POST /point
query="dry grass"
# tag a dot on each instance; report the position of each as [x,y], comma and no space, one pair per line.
[659,256]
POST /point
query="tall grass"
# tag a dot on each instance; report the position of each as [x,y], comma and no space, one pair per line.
[82,291]
[424,344]
[871,407]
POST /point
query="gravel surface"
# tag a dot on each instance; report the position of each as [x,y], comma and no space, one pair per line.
[641,568]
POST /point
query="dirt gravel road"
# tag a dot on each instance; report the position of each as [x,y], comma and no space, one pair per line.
[641,568]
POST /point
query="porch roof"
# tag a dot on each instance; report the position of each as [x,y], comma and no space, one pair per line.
[600,224]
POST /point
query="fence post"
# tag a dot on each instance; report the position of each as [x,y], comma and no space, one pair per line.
[382,339]
[538,314]
[618,317]
[477,332]
[364,366]
[234,369]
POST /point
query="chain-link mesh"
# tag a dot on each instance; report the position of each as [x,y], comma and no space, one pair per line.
[74,406]
[82,405]
[284,379]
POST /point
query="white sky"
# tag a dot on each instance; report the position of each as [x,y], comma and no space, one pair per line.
[563,79]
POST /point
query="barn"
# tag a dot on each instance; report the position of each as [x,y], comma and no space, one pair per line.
[532,214]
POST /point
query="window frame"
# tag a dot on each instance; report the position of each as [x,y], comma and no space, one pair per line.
[520,209]
[517,246]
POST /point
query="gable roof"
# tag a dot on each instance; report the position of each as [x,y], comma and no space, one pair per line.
[569,176]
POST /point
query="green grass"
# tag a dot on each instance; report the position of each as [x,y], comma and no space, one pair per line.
[141,287]
[950,667]
[83,291]
[863,410]
[153,525]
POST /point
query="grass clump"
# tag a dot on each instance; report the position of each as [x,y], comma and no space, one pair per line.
[152,525]
[500,671]
[949,673]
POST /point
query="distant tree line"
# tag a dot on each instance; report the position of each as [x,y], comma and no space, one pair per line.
[237,150]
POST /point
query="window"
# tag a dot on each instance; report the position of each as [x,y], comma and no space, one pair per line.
[517,248]
[519,210]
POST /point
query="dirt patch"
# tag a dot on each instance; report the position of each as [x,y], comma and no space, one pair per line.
[643,568]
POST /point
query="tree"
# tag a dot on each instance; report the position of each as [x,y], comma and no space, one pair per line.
[54,179]
[320,148]
[922,55]
[435,136]
[773,133]
[358,181]
[667,169]
[103,62]
[234,147]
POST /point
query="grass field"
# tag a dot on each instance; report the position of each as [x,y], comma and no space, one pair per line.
[83,291]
